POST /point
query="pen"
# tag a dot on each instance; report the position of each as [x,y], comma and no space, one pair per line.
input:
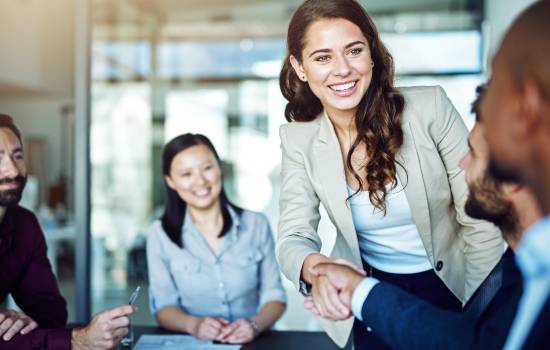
[134,296]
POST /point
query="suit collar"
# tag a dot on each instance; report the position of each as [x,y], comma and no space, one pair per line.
[331,172]
[410,174]
[330,166]
[327,133]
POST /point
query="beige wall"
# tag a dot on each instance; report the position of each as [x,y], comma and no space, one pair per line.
[36,39]
[37,72]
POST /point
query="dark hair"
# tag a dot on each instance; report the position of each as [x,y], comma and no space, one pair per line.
[378,119]
[480,91]
[174,211]
[7,122]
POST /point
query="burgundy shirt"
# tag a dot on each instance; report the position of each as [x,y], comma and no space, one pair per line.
[26,274]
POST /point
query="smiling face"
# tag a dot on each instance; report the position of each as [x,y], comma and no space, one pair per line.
[195,175]
[336,63]
[13,172]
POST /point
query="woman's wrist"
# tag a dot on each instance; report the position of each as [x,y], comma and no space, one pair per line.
[310,261]
[191,325]
[255,326]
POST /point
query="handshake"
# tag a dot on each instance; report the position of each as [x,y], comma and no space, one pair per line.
[333,283]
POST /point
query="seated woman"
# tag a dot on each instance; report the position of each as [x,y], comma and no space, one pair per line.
[212,267]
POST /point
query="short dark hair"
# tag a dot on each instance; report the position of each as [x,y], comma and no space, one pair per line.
[480,91]
[7,122]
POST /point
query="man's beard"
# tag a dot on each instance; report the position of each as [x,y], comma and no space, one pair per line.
[485,202]
[12,196]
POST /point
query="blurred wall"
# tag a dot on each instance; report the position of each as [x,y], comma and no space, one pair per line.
[499,16]
[36,71]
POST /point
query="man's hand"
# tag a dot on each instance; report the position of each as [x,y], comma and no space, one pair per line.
[13,322]
[343,280]
[238,332]
[209,328]
[104,331]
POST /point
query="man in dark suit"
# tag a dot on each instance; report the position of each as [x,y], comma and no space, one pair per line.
[516,112]
[404,321]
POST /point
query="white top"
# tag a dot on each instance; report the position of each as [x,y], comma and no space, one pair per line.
[389,243]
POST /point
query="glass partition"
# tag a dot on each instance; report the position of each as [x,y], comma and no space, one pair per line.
[150,85]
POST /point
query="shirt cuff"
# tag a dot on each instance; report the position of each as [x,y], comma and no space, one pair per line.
[360,294]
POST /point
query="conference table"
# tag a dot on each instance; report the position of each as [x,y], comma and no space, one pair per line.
[270,340]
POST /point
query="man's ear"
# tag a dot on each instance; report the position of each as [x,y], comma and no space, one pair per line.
[532,105]
[298,68]
[509,189]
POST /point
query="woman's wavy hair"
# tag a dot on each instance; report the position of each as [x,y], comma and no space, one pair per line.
[174,211]
[378,118]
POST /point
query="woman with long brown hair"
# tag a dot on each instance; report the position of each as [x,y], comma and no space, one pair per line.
[382,161]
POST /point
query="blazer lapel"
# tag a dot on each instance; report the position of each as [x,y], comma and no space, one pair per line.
[415,190]
[330,165]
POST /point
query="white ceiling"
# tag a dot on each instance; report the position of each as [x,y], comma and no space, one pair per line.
[242,18]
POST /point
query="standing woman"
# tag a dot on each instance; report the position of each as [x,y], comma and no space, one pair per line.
[212,267]
[384,164]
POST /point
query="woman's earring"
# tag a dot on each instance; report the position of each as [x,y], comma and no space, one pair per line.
[372,63]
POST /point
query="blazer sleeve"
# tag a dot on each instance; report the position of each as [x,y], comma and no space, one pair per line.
[483,242]
[299,212]
[403,321]
[37,293]
[43,339]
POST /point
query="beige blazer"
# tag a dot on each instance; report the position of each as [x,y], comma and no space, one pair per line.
[464,250]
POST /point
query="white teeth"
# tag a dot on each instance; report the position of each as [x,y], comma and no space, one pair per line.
[202,192]
[343,87]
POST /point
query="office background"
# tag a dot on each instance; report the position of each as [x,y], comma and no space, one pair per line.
[98,86]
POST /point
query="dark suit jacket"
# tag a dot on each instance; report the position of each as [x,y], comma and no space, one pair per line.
[539,337]
[404,321]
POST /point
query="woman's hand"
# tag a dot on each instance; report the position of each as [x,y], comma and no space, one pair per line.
[13,322]
[209,328]
[325,300]
[239,332]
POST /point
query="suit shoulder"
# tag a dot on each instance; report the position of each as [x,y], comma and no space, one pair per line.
[303,129]
[421,102]
[299,134]
[416,94]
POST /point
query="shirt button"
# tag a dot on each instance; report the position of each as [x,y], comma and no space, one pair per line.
[439,265]
[221,285]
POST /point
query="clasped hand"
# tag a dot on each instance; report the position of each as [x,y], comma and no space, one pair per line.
[333,284]
[219,329]
[13,322]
